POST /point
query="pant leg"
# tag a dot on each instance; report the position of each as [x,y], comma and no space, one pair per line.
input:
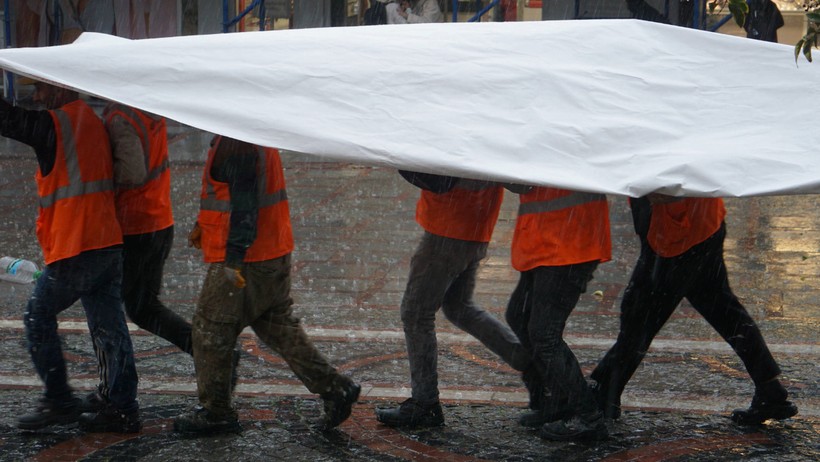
[519,308]
[270,314]
[438,262]
[144,260]
[713,298]
[555,292]
[216,325]
[109,332]
[55,290]
[650,298]
[463,312]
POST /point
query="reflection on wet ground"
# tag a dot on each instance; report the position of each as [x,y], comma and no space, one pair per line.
[355,233]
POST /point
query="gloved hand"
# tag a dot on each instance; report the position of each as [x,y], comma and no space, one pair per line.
[234,276]
[195,237]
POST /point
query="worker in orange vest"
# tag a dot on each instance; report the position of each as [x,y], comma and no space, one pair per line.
[142,180]
[245,235]
[82,246]
[458,217]
[560,238]
[682,256]
[139,142]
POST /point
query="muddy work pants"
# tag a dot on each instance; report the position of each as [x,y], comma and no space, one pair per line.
[265,305]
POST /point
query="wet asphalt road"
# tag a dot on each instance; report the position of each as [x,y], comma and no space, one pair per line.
[355,233]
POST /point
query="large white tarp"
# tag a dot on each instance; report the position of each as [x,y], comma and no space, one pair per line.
[614,106]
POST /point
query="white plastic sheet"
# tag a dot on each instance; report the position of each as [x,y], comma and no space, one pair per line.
[612,106]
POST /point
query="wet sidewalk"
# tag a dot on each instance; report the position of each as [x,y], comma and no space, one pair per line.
[355,233]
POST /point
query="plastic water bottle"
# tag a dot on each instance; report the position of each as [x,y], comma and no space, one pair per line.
[18,270]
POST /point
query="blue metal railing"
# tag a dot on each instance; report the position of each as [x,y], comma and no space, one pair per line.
[228,22]
[480,9]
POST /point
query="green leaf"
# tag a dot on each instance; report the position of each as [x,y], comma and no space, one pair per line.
[797,49]
[739,8]
[814,16]
[808,46]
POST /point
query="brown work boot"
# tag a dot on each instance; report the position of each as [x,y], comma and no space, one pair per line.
[339,402]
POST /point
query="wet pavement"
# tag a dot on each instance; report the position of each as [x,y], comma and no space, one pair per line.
[355,233]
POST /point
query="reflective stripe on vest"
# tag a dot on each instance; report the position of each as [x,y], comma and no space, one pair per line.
[76,186]
[563,202]
[210,202]
[145,137]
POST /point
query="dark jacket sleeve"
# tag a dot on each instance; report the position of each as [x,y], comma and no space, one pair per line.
[34,128]
[641,216]
[430,182]
[235,164]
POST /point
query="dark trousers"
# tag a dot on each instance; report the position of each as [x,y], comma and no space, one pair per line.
[537,313]
[442,275]
[656,288]
[93,277]
[144,258]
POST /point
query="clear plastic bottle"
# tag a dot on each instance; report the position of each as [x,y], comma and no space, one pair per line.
[18,270]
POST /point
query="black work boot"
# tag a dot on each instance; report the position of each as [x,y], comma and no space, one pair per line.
[412,414]
[769,402]
[93,402]
[580,427]
[338,402]
[204,422]
[111,420]
[549,413]
[50,412]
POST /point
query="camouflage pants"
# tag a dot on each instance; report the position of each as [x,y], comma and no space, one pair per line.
[265,305]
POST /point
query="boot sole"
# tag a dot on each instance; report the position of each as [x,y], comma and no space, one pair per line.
[597,435]
[221,428]
[392,423]
[62,421]
[743,417]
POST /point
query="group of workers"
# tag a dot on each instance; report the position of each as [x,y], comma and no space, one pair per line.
[560,237]
[105,226]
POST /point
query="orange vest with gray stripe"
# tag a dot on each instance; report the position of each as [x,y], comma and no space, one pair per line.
[558,227]
[274,237]
[677,226]
[467,212]
[76,211]
[145,208]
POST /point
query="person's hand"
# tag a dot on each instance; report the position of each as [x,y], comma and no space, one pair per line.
[234,276]
[195,237]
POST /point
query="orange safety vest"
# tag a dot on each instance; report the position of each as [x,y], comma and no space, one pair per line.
[467,212]
[145,208]
[557,227]
[274,237]
[678,226]
[76,211]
